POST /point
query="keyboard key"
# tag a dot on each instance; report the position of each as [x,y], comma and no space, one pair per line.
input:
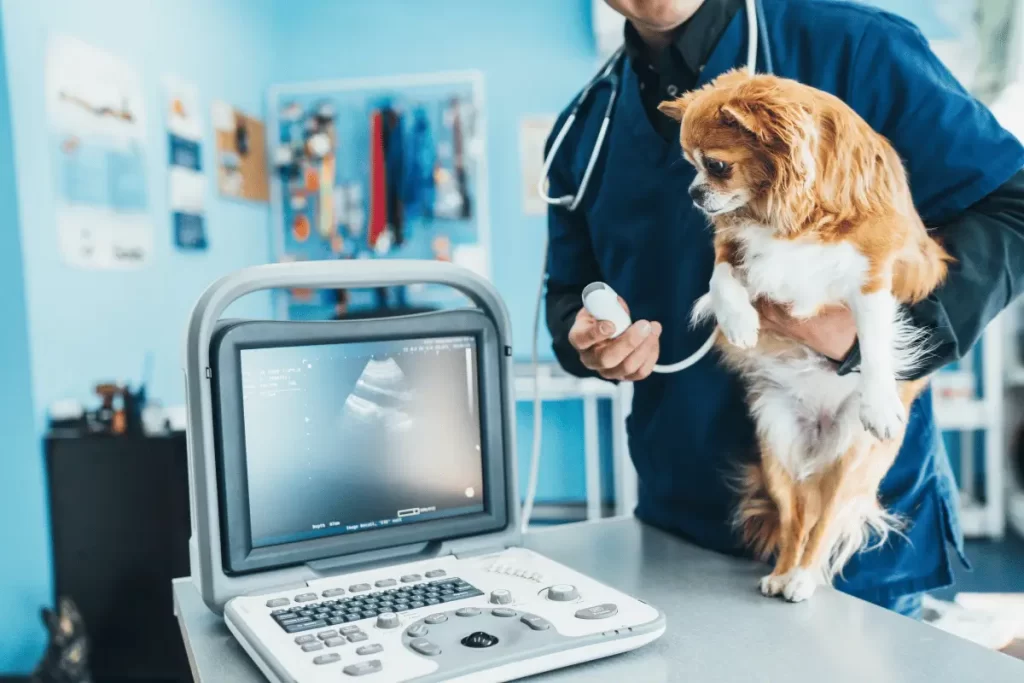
[433,601]
[409,578]
[417,604]
[334,621]
[324,635]
[333,592]
[449,597]
[309,625]
[279,612]
[302,640]
[359,587]
[467,612]
[434,573]
[349,630]
[385,583]
[335,642]
[312,647]
[305,597]
[371,666]
[306,613]
[352,617]
[369,614]
[293,621]
[436,618]
[417,631]
[370,649]
[329,658]
[425,647]
[503,612]
[535,622]
[278,602]
[357,637]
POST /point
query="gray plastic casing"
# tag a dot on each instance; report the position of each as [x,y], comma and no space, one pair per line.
[216,586]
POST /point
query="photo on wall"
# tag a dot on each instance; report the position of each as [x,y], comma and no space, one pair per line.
[187,182]
[378,169]
[97,137]
[241,154]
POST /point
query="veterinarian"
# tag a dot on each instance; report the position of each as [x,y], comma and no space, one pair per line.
[635,228]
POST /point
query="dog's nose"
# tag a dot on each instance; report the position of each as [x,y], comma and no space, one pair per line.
[697,194]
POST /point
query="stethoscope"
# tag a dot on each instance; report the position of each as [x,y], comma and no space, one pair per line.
[608,76]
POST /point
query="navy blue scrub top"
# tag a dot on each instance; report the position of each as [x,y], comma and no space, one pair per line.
[638,230]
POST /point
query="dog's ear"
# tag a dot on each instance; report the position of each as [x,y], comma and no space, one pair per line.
[786,126]
[676,108]
[768,120]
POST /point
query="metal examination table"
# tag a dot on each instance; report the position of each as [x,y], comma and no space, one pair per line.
[719,626]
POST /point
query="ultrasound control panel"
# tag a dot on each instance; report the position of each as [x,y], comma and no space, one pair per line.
[491,618]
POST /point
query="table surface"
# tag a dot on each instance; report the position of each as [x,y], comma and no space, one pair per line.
[720,628]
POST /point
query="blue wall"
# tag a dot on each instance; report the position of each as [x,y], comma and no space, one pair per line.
[24,564]
[91,325]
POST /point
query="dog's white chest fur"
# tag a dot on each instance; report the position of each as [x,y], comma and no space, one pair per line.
[806,274]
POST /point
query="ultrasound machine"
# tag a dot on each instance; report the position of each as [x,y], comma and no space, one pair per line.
[354,501]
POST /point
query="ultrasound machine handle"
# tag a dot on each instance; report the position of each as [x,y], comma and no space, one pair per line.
[206,567]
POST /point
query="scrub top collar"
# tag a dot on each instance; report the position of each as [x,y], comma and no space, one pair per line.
[692,45]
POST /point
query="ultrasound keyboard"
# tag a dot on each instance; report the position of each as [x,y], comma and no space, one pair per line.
[307,615]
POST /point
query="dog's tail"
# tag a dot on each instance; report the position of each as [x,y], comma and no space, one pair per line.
[861,524]
[757,517]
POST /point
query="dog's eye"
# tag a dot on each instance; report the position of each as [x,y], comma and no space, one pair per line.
[716,168]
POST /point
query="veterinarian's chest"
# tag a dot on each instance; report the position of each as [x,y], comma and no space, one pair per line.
[805,273]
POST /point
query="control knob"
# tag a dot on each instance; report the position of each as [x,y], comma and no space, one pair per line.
[563,592]
[387,620]
[500,596]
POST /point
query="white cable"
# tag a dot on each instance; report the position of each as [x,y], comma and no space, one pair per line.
[531,484]
[691,359]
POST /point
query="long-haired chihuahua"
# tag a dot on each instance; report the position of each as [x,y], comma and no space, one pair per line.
[811,209]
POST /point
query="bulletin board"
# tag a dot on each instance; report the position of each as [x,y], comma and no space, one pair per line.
[379,168]
[241,154]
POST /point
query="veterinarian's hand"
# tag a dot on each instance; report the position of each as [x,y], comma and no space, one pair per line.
[831,333]
[631,356]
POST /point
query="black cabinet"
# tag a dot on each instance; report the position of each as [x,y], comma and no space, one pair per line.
[119,517]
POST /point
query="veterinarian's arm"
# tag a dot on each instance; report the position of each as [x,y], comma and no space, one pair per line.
[965,173]
[571,265]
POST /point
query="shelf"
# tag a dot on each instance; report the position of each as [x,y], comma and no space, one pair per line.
[962,415]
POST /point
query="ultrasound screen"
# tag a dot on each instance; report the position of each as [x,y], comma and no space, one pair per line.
[343,438]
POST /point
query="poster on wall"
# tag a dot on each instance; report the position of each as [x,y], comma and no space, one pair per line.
[533,133]
[376,169]
[186,182]
[241,154]
[96,125]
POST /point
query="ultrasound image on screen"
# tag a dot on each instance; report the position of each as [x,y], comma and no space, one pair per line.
[345,438]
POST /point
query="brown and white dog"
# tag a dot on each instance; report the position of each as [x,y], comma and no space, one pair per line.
[811,209]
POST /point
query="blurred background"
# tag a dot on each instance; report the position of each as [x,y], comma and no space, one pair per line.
[147,148]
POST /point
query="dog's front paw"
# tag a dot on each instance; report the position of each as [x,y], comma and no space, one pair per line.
[740,323]
[800,587]
[881,410]
[773,584]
